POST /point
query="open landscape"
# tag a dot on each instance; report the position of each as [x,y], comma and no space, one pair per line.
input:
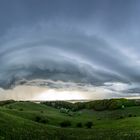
[69,69]
[60,120]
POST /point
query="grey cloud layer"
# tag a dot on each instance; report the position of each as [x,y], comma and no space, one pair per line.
[61,56]
[91,43]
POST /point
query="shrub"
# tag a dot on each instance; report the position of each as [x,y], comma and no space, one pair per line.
[41,111]
[37,118]
[65,123]
[121,117]
[123,107]
[98,118]
[21,109]
[43,121]
[40,119]
[10,107]
[79,124]
[130,115]
[89,124]
[64,110]
[70,113]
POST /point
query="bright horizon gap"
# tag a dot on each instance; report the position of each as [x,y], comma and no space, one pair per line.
[34,93]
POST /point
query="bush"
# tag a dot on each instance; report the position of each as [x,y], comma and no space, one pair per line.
[121,117]
[64,110]
[10,107]
[41,111]
[70,113]
[130,115]
[65,123]
[21,109]
[98,118]
[79,124]
[37,118]
[89,124]
[41,119]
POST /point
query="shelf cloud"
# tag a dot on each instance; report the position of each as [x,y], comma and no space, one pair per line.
[71,45]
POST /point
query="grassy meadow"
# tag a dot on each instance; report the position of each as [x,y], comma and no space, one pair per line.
[116,119]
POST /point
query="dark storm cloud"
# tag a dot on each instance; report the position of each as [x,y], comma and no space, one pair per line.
[58,58]
[82,42]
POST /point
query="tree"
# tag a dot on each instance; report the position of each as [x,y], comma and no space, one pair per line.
[89,124]
[65,123]
[79,124]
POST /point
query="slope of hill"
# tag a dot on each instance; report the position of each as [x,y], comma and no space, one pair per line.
[31,121]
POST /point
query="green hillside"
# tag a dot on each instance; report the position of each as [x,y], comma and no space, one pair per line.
[32,121]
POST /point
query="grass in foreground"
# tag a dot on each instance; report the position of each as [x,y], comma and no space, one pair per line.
[31,121]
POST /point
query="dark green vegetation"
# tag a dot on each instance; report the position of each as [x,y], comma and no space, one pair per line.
[114,119]
[98,105]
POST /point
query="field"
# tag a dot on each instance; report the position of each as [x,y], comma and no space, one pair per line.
[35,121]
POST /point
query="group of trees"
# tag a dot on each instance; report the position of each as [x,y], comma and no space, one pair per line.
[59,104]
[99,105]
[67,123]
[2,103]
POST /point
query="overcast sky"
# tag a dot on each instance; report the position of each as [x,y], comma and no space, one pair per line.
[89,46]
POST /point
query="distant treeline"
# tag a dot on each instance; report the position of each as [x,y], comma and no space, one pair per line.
[98,105]
[6,102]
